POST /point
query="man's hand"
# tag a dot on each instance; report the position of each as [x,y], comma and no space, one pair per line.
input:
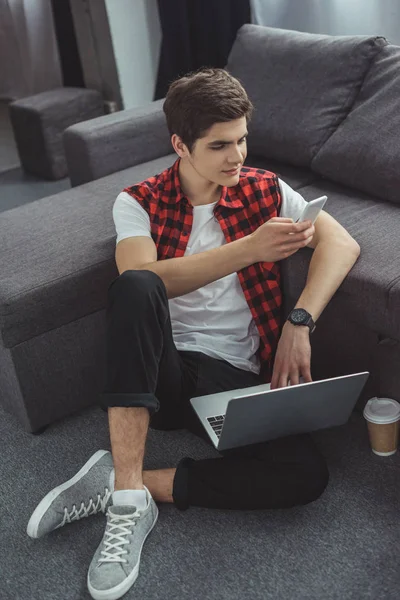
[279,238]
[293,356]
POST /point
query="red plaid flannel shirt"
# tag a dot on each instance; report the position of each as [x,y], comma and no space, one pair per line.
[240,211]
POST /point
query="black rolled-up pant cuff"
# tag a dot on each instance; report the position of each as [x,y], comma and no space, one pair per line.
[180,489]
[130,400]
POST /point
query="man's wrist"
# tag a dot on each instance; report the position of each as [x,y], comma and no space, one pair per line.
[300,329]
[301,317]
[247,244]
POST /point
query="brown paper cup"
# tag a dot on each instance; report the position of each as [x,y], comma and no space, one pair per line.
[384,438]
[383,421]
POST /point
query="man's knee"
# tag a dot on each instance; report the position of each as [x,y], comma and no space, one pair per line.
[165,422]
[136,290]
[136,280]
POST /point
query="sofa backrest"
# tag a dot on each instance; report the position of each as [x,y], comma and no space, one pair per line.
[303,86]
[364,152]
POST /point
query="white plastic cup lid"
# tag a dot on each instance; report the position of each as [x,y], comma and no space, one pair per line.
[382,410]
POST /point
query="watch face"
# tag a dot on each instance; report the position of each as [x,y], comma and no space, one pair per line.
[299,315]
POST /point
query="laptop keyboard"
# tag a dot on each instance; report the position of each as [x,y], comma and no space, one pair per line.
[216,423]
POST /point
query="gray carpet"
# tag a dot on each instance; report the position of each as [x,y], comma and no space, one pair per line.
[344,546]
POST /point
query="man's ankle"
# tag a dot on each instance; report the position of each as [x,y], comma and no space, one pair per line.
[128,484]
[159,482]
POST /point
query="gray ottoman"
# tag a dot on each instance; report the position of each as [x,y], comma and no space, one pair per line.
[39,123]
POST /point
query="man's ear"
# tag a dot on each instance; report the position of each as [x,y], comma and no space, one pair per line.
[179,147]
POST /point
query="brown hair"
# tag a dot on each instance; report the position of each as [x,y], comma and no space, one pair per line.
[197,101]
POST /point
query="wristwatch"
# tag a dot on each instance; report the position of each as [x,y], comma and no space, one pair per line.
[299,316]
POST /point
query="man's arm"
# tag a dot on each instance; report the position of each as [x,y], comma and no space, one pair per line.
[335,253]
[187,273]
[330,264]
[270,242]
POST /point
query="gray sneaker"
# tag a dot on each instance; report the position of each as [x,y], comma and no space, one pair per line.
[115,565]
[89,492]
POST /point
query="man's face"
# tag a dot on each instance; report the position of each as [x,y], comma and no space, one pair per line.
[222,149]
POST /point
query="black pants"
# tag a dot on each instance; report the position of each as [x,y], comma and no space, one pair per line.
[144,368]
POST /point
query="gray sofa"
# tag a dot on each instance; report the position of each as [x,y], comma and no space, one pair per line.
[327,120]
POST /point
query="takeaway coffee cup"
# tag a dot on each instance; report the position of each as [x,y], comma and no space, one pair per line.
[383,421]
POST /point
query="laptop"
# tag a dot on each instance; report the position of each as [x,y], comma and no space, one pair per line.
[258,414]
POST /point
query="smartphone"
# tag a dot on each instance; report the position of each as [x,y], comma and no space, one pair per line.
[312,210]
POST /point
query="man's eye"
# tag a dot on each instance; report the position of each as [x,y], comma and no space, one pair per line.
[242,141]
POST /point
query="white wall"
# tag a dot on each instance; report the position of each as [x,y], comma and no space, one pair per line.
[136,36]
[333,17]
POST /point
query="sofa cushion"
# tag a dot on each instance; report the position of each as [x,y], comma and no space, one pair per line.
[364,152]
[58,255]
[117,141]
[302,85]
[39,122]
[296,177]
[374,224]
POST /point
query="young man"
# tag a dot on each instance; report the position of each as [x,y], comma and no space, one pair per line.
[196,310]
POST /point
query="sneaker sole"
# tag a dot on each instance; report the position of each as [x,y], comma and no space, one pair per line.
[43,506]
[121,589]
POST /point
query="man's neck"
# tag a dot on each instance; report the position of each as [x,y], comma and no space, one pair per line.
[195,188]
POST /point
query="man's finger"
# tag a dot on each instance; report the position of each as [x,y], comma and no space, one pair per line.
[294,378]
[274,380]
[283,379]
[306,374]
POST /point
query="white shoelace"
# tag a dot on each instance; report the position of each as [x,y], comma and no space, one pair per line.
[85,511]
[124,523]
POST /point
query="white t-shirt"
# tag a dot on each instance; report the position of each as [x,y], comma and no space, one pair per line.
[215,319]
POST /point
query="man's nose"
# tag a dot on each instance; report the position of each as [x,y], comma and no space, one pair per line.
[236,156]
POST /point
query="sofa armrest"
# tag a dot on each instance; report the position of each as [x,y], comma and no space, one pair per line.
[114,142]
